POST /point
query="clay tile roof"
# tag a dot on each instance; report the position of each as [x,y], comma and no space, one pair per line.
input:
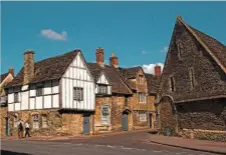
[3,76]
[47,69]
[117,82]
[130,72]
[153,83]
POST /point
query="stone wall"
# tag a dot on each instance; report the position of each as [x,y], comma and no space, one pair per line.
[58,122]
[209,79]
[206,115]
[3,112]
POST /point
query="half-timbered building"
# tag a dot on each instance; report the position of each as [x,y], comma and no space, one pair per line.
[56,95]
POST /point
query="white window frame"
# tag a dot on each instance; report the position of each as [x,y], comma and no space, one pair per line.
[105,120]
[102,89]
[78,93]
[142,97]
[142,116]
[44,121]
[35,124]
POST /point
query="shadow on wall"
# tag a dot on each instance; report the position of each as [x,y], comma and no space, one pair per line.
[4,152]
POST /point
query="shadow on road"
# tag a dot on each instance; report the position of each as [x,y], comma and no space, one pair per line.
[4,152]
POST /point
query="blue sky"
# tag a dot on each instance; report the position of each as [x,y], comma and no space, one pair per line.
[138,32]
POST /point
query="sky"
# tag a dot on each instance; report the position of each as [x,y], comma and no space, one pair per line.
[137,32]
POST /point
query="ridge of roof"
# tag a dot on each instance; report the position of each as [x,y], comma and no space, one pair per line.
[47,69]
[195,33]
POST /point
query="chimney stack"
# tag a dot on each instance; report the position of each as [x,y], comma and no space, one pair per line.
[157,70]
[100,56]
[28,66]
[11,71]
[113,60]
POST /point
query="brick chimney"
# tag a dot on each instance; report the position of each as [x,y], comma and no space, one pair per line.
[28,66]
[157,70]
[113,60]
[100,56]
[11,71]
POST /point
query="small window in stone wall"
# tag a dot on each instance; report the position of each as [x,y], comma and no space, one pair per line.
[44,121]
[105,114]
[172,86]
[142,116]
[15,121]
[35,121]
[180,50]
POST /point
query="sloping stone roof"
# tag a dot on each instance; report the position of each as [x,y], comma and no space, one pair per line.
[153,83]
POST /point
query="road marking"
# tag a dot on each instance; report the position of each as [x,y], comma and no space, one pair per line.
[157,151]
[178,153]
[111,146]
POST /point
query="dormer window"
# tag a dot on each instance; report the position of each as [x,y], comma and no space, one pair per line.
[141,79]
[102,89]
[180,50]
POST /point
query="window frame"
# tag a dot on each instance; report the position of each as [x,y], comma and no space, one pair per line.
[102,86]
[39,91]
[192,78]
[142,97]
[140,79]
[172,83]
[46,122]
[81,93]
[107,120]
[141,115]
[35,122]
[16,97]
[180,49]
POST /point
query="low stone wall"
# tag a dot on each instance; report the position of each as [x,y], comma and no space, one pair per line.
[213,135]
[58,123]
[3,111]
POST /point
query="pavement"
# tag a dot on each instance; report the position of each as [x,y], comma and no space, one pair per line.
[122,143]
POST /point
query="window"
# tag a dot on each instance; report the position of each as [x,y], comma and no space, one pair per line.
[105,114]
[39,91]
[35,122]
[15,121]
[44,121]
[180,49]
[141,79]
[102,89]
[192,78]
[78,93]
[16,97]
[142,97]
[142,116]
[172,84]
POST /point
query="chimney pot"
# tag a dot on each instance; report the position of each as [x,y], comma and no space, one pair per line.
[113,60]
[100,56]
[157,70]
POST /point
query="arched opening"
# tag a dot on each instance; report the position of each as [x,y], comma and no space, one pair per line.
[167,116]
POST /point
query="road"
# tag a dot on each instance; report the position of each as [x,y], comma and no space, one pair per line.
[122,144]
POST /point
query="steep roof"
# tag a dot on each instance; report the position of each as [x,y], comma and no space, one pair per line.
[216,49]
[47,69]
[153,83]
[129,73]
[117,82]
[3,76]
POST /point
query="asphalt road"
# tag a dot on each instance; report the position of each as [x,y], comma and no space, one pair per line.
[123,144]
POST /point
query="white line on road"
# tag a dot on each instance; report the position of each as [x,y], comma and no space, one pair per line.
[157,151]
